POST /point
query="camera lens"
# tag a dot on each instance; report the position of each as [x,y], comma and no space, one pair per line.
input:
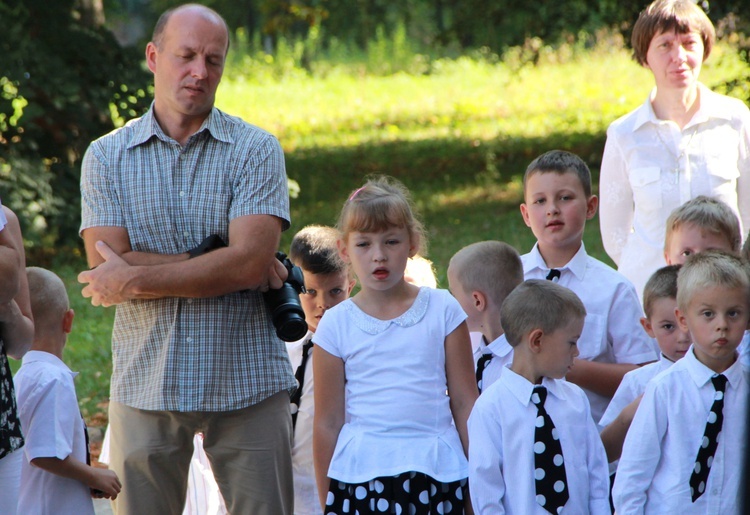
[286,313]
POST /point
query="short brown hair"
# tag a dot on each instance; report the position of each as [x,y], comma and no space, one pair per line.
[682,16]
[560,162]
[538,304]
[314,250]
[492,267]
[661,285]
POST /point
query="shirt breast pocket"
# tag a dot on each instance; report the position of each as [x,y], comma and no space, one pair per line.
[646,184]
[722,173]
[593,339]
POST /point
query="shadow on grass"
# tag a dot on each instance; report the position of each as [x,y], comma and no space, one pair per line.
[466,190]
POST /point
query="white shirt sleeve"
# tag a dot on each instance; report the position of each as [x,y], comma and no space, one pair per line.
[641,453]
[743,181]
[616,207]
[485,461]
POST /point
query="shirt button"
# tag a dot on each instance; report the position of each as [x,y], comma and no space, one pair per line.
[186,234]
[189,340]
[182,193]
[190,301]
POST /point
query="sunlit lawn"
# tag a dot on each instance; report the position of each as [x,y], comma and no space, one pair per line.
[459,138]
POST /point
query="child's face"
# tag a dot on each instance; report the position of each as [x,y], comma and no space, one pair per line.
[689,239]
[465,299]
[323,292]
[717,319]
[558,350]
[673,341]
[556,209]
[378,259]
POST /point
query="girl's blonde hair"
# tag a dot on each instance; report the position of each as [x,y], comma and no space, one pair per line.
[383,202]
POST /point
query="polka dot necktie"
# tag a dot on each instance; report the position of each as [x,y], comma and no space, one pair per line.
[549,466]
[553,275]
[710,441]
[482,363]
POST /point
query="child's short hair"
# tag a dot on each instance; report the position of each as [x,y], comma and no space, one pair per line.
[381,203]
[421,271]
[49,299]
[682,16]
[661,285]
[560,162]
[745,253]
[314,250]
[709,214]
[492,267]
[710,269]
[538,304]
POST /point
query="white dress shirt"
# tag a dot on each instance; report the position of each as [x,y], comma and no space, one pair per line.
[501,453]
[502,356]
[52,422]
[650,167]
[612,332]
[306,500]
[663,441]
[632,386]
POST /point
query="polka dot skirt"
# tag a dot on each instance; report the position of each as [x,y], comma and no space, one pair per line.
[410,493]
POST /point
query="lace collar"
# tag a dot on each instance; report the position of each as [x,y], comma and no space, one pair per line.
[372,325]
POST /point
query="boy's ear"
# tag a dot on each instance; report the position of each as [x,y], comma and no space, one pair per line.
[525,214]
[666,258]
[591,205]
[67,322]
[343,252]
[681,320]
[646,324]
[350,287]
[479,299]
[534,339]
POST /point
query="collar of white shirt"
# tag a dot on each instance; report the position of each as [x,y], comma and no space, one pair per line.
[701,374]
[710,108]
[577,264]
[500,346]
[38,356]
[521,387]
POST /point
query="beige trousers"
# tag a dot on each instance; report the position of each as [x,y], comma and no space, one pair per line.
[249,450]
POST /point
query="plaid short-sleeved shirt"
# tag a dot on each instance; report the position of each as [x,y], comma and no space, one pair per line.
[183,354]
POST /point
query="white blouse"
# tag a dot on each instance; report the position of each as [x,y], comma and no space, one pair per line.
[650,167]
[397,410]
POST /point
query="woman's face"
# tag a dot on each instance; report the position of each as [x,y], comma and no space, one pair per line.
[675,59]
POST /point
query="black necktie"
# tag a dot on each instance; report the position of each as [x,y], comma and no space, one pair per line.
[482,363]
[299,375]
[549,466]
[705,458]
[553,275]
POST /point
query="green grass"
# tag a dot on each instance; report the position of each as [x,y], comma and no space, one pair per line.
[459,138]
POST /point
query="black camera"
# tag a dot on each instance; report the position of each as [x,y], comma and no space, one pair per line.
[284,305]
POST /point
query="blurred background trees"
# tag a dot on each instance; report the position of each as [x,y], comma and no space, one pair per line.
[72,70]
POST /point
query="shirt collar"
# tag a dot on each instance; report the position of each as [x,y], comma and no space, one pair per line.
[149,128]
[701,374]
[711,107]
[577,264]
[500,346]
[38,356]
[522,388]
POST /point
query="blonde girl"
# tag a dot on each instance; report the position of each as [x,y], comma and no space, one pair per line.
[393,372]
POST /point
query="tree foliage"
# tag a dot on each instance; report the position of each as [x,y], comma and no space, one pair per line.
[64,81]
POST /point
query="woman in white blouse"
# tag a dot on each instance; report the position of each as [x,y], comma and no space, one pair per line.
[684,141]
